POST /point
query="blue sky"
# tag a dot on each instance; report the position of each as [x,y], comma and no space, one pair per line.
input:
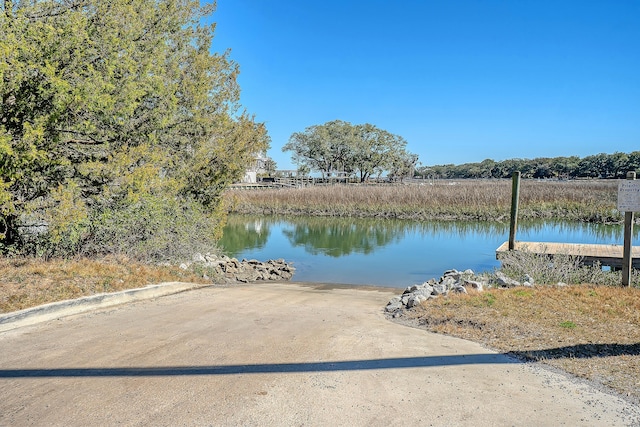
[461,81]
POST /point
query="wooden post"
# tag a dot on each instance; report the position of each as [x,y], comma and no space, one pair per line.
[515,195]
[628,236]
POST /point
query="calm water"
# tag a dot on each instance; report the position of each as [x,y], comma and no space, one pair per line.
[390,252]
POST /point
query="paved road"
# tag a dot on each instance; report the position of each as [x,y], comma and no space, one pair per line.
[275,354]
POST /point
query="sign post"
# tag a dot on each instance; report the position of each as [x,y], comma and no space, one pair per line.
[628,202]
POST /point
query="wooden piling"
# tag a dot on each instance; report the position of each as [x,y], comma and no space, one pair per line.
[515,195]
[628,236]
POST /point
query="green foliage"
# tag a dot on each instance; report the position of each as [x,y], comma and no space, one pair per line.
[67,219]
[486,299]
[568,325]
[601,165]
[339,146]
[523,293]
[153,228]
[115,114]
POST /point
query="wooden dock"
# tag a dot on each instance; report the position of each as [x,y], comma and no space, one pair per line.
[606,255]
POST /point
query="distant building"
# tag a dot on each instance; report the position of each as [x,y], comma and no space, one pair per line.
[258,167]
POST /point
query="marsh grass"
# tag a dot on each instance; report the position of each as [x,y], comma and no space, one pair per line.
[590,201]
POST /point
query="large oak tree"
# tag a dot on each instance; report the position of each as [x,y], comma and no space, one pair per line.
[339,146]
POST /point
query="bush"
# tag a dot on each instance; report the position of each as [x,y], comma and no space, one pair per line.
[561,268]
[154,229]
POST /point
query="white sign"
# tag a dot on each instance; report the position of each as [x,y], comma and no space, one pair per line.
[629,196]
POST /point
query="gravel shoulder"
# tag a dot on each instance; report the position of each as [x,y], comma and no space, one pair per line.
[277,354]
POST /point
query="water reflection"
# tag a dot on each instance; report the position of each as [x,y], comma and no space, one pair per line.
[244,233]
[390,252]
[341,236]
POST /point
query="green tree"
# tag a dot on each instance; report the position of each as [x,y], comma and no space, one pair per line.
[633,163]
[270,166]
[593,166]
[564,166]
[376,150]
[618,163]
[303,170]
[339,146]
[599,165]
[404,166]
[113,108]
[324,148]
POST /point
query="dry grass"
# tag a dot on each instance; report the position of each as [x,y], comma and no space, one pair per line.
[590,331]
[593,200]
[28,282]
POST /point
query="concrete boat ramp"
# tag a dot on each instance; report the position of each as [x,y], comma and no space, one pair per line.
[280,354]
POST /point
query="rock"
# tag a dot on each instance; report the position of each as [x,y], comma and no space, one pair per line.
[504,281]
[454,274]
[426,291]
[449,281]
[394,305]
[410,289]
[479,286]
[416,300]
[232,270]
[440,289]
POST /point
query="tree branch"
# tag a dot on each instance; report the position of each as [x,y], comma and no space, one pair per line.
[52,12]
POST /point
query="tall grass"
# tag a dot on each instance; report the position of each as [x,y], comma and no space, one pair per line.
[589,201]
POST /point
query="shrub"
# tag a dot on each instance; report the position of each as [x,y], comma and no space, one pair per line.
[561,268]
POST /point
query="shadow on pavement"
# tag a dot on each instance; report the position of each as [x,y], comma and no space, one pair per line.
[579,351]
[355,365]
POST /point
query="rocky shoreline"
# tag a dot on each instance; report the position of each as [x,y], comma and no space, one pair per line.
[224,269]
[450,281]
[229,270]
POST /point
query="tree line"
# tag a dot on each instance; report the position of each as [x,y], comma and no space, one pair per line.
[601,165]
[119,129]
